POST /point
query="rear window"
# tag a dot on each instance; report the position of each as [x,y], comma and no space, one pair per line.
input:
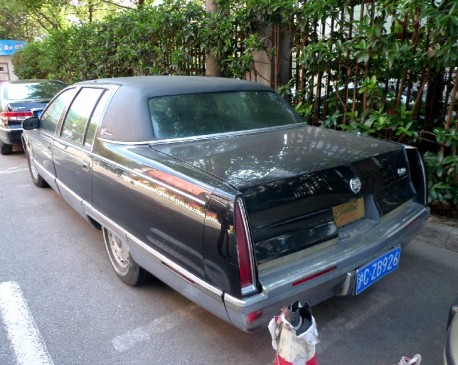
[33,90]
[209,113]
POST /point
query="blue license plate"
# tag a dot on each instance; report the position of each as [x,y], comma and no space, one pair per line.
[377,269]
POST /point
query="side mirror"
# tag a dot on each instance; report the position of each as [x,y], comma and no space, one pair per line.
[30,123]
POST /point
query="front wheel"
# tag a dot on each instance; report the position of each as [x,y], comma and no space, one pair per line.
[37,179]
[121,260]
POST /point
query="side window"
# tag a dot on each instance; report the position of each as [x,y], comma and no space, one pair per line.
[95,119]
[53,112]
[79,113]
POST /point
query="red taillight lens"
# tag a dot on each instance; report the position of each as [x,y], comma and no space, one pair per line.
[251,317]
[244,252]
[15,116]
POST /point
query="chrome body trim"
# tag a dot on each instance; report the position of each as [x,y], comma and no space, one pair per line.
[74,200]
[186,283]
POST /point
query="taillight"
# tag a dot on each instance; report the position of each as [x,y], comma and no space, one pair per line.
[245,254]
[15,116]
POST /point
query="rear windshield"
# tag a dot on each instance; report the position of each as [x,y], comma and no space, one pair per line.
[33,90]
[209,113]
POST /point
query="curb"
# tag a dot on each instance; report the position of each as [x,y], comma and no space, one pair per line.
[441,232]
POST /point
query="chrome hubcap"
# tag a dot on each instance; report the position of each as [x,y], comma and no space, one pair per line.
[33,167]
[119,250]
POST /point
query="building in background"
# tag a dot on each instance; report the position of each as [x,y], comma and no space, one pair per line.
[7,49]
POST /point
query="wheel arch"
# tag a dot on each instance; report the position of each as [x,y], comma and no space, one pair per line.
[93,222]
[24,143]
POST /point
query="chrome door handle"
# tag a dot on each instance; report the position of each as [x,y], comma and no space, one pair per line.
[86,166]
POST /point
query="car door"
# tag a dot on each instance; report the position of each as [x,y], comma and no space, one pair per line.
[72,151]
[43,137]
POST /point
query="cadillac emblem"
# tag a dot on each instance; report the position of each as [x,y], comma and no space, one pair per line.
[402,171]
[355,185]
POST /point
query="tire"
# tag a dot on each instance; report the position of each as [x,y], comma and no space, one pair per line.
[6,149]
[37,179]
[124,266]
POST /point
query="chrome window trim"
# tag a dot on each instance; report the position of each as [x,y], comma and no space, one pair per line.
[204,137]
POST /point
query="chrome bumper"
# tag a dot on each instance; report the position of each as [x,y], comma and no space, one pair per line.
[254,312]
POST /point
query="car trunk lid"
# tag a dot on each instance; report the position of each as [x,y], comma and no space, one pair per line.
[294,181]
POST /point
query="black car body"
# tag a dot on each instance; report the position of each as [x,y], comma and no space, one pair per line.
[219,189]
[17,100]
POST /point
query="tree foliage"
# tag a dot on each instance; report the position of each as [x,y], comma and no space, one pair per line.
[15,22]
[33,19]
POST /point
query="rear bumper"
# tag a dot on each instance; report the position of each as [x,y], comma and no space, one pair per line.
[10,135]
[336,265]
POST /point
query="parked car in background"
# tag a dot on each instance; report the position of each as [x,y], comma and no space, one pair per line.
[451,341]
[219,189]
[17,98]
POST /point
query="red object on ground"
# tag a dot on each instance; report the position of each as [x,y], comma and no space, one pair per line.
[294,344]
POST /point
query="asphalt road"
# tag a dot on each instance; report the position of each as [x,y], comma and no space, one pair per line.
[56,277]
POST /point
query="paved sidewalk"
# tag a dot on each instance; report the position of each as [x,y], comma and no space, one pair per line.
[441,232]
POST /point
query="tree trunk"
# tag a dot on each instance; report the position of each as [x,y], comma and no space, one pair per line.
[211,61]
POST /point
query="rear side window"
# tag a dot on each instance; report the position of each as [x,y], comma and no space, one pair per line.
[95,119]
[51,116]
[79,113]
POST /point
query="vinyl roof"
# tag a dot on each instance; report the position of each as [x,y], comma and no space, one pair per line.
[175,85]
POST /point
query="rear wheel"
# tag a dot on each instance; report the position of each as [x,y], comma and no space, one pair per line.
[6,149]
[36,177]
[121,260]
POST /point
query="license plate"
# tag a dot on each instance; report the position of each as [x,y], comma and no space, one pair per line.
[348,212]
[377,269]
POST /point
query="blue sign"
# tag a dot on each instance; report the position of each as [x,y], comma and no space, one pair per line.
[8,47]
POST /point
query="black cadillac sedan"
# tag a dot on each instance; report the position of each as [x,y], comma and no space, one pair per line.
[218,188]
